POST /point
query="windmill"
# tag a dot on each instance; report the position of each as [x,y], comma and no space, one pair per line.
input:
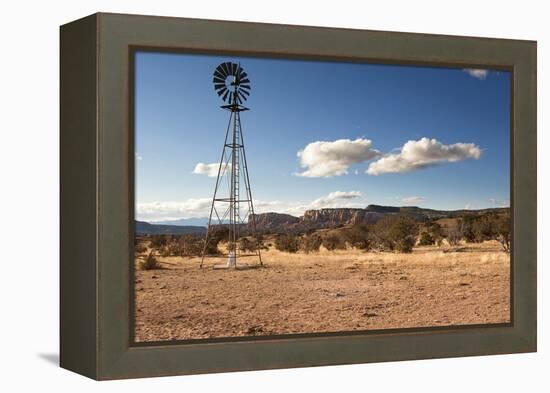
[232,207]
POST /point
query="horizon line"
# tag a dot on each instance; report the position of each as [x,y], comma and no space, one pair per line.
[330,208]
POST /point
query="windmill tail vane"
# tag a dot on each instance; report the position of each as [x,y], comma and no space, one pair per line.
[232,216]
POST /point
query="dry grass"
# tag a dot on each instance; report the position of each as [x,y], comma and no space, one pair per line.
[324,292]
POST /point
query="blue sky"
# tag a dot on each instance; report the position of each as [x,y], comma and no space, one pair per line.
[368,134]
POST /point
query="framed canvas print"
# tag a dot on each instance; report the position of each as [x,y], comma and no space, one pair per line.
[240,196]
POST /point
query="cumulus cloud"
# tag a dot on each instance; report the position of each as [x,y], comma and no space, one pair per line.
[334,198]
[477,73]
[211,170]
[343,199]
[172,210]
[413,199]
[421,154]
[327,159]
[200,207]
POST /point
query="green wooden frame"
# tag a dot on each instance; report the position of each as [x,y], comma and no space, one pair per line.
[97,195]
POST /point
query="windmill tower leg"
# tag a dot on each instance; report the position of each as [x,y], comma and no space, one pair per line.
[252,214]
[212,206]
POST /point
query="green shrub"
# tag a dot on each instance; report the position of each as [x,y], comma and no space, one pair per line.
[159,241]
[311,243]
[359,236]
[247,245]
[490,226]
[140,248]
[435,231]
[211,247]
[150,263]
[453,235]
[467,224]
[287,243]
[396,233]
[426,239]
[193,245]
[502,232]
[333,242]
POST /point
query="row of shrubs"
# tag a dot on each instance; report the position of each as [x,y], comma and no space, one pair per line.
[401,234]
[476,229]
[183,245]
[173,245]
[390,233]
[188,245]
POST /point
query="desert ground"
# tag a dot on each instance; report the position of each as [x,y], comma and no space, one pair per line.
[326,291]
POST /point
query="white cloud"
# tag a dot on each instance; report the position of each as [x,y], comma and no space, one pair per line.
[477,73]
[334,198]
[413,199]
[499,203]
[211,170]
[200,207]
[422,154]
[327,159]
[138,157]
[157,211]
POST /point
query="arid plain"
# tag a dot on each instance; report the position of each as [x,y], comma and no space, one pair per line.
[325,291]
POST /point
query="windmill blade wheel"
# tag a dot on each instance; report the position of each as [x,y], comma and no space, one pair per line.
[231,83]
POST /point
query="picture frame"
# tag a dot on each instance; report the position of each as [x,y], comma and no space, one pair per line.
[97,195]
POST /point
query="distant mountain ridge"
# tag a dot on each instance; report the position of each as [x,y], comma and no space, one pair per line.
[432,213]
[333,217]
[319,219]
[145,228]
[193,221]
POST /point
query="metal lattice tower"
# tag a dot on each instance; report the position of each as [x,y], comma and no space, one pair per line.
[229,208]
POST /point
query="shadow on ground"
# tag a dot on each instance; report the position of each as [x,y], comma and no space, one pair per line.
[52,358]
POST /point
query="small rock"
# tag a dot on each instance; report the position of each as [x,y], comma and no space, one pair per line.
[339,294]
[254,330]
[403,278]
[463,284]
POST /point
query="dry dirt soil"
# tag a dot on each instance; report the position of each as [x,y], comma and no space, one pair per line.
[324,292]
